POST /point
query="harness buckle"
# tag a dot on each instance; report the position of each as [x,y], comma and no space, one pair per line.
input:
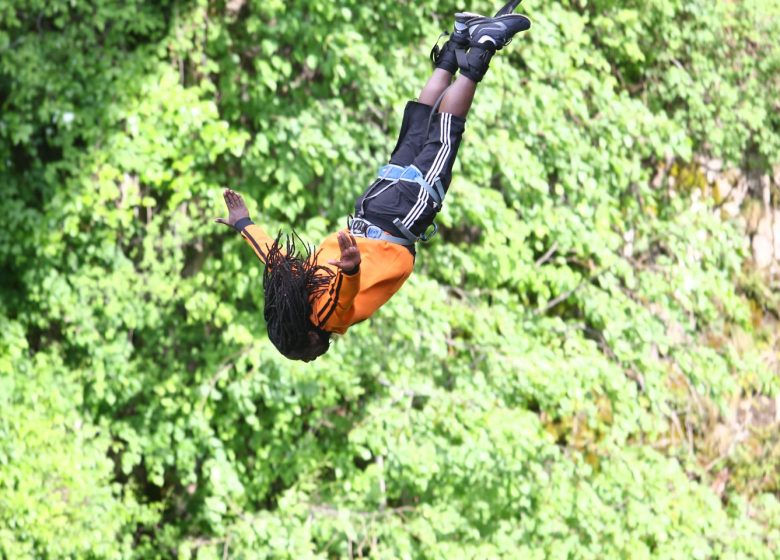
[357,225]
[373,232]
[363,228]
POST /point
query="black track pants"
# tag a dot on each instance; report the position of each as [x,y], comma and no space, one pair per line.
[432,150]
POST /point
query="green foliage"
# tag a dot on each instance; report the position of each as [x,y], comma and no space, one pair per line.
[542,387]
[57,497]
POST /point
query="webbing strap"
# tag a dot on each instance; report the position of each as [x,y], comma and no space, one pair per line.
[424,237]
[363,228]
[395,173]
[436,109]
[405,230]
[460,56]
[414,175]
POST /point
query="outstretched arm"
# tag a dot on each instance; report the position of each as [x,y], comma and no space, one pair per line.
[335,309]
[238,219]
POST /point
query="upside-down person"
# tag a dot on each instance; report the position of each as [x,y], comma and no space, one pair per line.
[309,295]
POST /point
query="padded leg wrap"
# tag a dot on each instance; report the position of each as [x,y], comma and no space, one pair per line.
[474,63]
[445,57]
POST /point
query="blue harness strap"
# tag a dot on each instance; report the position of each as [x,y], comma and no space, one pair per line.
[395,173]
[413,175]
[363,228]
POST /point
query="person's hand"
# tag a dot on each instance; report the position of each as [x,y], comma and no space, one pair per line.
[350,254]
[236,208]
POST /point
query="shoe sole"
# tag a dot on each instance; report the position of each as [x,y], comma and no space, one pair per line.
[508,8]
[481,20]
[465,17]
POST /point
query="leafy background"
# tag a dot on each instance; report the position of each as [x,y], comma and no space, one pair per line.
[584,364]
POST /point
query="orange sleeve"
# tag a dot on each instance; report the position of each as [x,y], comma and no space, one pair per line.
[334,309]
[257,238]
[344,303]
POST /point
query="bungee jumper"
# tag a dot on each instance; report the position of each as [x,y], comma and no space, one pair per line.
[311,294]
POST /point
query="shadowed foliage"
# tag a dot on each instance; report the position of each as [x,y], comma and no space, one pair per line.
[583,365]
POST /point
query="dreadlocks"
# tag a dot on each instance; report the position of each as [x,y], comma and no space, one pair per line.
[292,281]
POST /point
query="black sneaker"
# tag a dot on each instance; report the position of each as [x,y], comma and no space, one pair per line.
[475,30]
[466,19]
[486,36]
[494,33]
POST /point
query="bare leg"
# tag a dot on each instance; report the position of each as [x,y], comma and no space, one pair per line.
[457,100]
[438,82]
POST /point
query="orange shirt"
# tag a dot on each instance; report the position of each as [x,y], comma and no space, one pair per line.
[349,299]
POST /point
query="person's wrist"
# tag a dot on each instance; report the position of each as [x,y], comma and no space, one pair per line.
[354,270]
[242,223]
